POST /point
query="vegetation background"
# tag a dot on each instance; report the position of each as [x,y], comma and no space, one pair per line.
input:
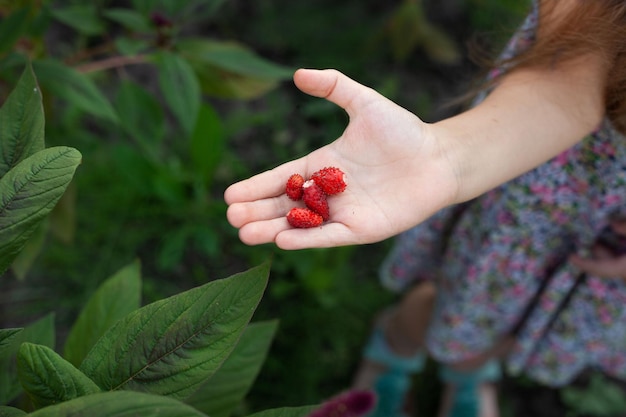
[151,182]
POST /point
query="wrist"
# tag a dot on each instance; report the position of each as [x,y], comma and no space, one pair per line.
[449,155]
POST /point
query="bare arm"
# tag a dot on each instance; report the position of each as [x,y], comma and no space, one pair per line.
[401,170]
[532,116]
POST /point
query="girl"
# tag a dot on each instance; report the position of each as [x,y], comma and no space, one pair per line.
[501,262]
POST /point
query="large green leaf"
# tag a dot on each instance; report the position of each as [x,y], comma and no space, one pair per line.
[40,332]
[21,122]
[173,345]
[141,115]
[117,297]
[223,392]
[180,87]
[75,87]
[409,28]
[208,142]
[119,404]
[130,19]
[228,69]
[48,379]
[6,411]
[6,336]
[286,412]
[29,191]
[82,18]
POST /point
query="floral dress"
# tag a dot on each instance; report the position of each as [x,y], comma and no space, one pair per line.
[494,256]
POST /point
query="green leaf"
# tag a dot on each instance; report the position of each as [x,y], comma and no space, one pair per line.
[228,69]
[140,114]
[6,336]
[119,404]
[173,345]
[130,46]
[408,28]
[21,122]
[286,412]
[25,259]
[180,87]
[129,18]
[48,379]
[233,57]
[6,411]
[117,297]
[74,87]
[600,398]
[144,6]
[223,392]
[40,332]
[29,191]
[12,27]
[62,219]
[207,144]
[82,18]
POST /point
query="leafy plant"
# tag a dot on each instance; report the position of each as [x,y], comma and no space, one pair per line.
[600,398]
[139,72]
[32,178]
[192,354]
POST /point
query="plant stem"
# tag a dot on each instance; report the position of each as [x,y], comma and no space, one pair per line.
[112,62]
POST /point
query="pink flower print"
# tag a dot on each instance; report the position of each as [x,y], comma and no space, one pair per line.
[563,158]
[598,288]
[548,304]
[604,148]
[504,218]
[560,217]
[605,315]
[613,199]
[579,186]
[544,192]
[518,290]
[455,346]
[594,346]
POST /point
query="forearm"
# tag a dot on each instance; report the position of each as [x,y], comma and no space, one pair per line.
[530,117]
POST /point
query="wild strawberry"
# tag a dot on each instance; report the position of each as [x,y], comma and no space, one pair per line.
[315,199]
[304,218]
[330,179]
[294,187]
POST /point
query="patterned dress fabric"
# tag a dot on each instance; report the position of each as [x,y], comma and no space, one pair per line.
[489,257]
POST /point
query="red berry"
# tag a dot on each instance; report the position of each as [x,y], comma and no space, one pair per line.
[294,187]
[304,218]
[315,199]
[330,179]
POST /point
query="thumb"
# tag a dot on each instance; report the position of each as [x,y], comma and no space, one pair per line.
[335,87]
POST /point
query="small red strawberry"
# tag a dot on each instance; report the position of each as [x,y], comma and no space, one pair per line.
[304,218]
[315,199]
[294,187]
[330,179]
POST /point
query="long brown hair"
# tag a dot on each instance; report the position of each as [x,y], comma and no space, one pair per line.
[590,26]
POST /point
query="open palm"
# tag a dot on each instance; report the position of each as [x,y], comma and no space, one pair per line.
[396,171]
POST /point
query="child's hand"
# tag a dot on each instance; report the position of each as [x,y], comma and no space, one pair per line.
[606,267]
[604,261]
[397,174]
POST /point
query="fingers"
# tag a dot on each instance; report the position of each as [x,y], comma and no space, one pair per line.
[619,226]
[279,231]
[612,267]
[335,87]
[238,214]
[265,185]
